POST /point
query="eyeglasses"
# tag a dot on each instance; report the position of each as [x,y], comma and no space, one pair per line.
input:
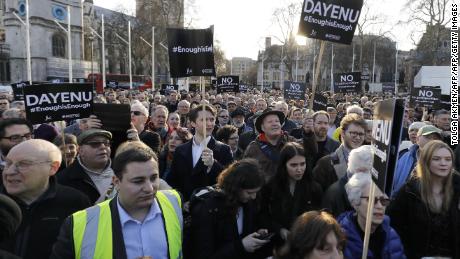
[137,113]
[18,138]
[382,199]
[22,166]
[3,103]
[96,144]
[356,134]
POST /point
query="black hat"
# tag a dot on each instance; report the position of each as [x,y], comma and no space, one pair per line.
[237,112]
[267,112]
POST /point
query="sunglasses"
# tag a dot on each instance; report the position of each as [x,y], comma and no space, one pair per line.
[96,144]
[137,113]
[383,200]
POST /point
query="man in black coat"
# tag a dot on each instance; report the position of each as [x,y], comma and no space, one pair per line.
[196,164]
[28,179]
[91,173]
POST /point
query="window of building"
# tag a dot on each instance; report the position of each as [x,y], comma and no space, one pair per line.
[59,43]
[4,71]
[276,76]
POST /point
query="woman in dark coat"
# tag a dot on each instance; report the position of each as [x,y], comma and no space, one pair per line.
[426,211]
[178,137]
[290,192]
[224,224]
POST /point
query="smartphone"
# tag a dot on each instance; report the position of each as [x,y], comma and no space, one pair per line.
[266,236]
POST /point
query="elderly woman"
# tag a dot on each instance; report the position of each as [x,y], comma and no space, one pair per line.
[426,210]
[384,241]
[314,235]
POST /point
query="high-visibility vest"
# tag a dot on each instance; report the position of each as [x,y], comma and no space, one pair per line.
[92,228]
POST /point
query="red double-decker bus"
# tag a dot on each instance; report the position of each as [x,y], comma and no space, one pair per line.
[120,81]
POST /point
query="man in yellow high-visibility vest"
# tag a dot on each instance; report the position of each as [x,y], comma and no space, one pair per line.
[140,222]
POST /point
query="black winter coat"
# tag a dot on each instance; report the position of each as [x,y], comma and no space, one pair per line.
[42,219]
[335,199]
[410,217]
[214,231]
[74,176]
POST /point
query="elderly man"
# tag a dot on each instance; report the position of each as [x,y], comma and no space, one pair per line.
[283,107]
[140,222]
[267,146]
[28,178]
[4,105]
[238,121]
[183,108]
[406,163]
[91,173]
[139,115]
[158,122]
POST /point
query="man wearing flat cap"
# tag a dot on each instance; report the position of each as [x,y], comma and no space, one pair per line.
[91,173]
[268,144]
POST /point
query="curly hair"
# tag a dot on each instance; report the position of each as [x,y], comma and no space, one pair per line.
[240,175]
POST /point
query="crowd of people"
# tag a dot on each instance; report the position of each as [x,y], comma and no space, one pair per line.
[231,175]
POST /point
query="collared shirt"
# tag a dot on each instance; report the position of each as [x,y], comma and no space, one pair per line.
[147,238]
[197,149]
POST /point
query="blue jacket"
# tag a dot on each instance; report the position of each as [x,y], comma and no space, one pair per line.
[392,248]
[404,167]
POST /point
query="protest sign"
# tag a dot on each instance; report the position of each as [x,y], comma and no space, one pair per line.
[18,90]
[57,102]
[244,88]
[191,52]
[386,134]
[319,102]
[425,96]
[444,103]
[331,20]
[114,117]
[294,90]
[347,82]
[226,84]
[165,88]
[388,88]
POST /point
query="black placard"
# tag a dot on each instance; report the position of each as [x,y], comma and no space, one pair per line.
[165,88]
[191,52]
[425,96]
[57,102]
[227,84]
[114,117]
[244,88]
[388,88]
[330,20]
[444,103]
[319,102]
[347,82]
[18,90]
[294,90]
[386,135]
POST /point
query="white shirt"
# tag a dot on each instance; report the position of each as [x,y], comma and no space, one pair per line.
[147,238]
[197,149]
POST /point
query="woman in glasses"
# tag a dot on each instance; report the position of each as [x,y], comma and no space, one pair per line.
[426,211]
[384,242]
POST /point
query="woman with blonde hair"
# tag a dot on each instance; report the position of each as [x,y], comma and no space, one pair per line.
[426,211]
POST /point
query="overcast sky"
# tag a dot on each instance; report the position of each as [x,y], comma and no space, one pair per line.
[241,25]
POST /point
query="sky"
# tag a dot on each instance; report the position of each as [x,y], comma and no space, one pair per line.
[241,26]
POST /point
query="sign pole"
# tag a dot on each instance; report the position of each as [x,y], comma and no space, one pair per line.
[296,62]
[353,60]
[203,91]
[29,60]
[315,79]
[129,56]
[153,58]
[396,68]
[373,65]
[370,209]
[69,43]
[103,54]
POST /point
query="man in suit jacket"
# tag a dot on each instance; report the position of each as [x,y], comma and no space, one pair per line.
[198,162]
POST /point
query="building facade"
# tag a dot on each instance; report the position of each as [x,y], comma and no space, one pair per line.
[240,66]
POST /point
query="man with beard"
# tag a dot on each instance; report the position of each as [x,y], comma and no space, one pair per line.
[318,142]
[12,132]
[238,121]
[334,166]
[91,173]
